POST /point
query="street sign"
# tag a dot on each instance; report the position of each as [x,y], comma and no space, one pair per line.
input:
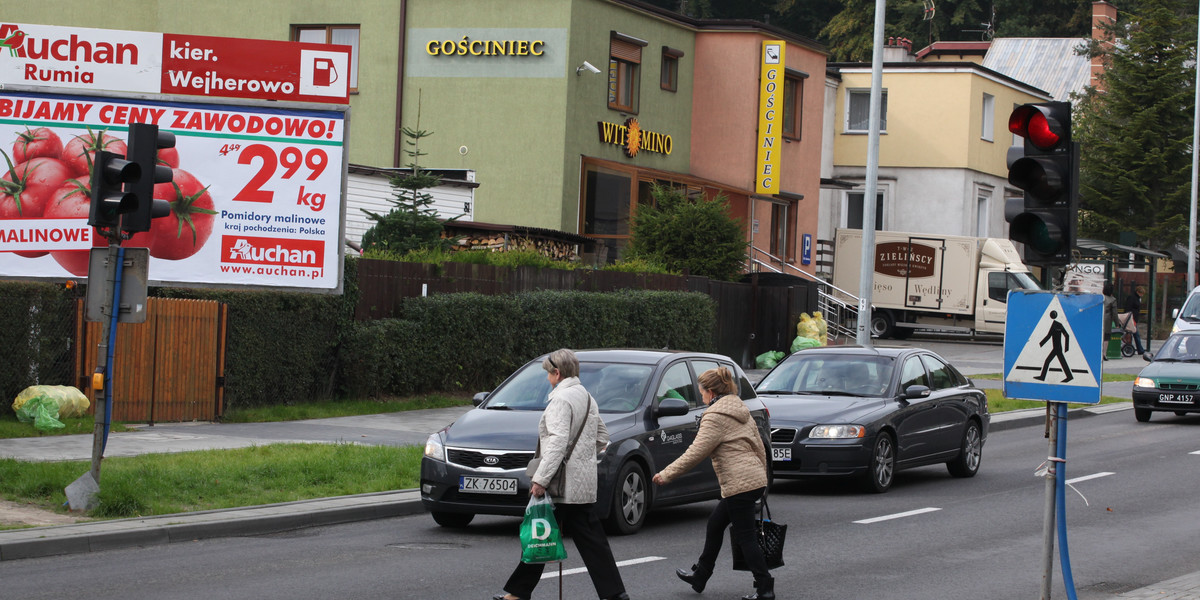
[1052,346]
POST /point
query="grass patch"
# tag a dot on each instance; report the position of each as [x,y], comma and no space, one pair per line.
[157,484]
[1107,376]
[10,427]
[997,403]
[340,408]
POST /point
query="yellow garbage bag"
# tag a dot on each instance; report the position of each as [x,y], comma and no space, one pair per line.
[807,327]
[822,327]
[70,401]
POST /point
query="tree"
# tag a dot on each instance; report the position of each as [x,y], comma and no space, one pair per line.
[411,224]
[696,234]
[1135,137]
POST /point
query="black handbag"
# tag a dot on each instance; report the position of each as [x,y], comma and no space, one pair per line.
[770,536]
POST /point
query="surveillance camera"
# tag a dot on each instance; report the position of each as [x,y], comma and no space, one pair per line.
[586,65]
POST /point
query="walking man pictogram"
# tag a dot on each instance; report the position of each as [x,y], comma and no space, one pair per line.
[1061,342]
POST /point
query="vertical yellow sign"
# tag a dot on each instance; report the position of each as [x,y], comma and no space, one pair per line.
[770,117]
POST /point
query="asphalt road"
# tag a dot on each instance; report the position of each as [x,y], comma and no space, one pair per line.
[931,537]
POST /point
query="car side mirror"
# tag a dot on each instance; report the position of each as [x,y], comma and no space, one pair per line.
[1146,357]
[1175,313]
[916,391]
[671,407]
[479,398]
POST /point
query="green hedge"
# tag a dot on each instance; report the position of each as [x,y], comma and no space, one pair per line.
[37,337]
[471,342]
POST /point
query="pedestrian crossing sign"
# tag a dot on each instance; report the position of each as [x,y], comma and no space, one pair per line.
[1053,346]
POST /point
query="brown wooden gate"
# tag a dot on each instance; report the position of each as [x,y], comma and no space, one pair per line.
[170,368]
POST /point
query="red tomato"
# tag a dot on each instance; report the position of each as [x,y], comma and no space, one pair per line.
[183,232]
[73,201]
[81,151]
[33,143]
[169,157]
[25,189]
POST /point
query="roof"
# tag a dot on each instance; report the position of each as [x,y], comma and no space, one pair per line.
[954,49]
[1051,64]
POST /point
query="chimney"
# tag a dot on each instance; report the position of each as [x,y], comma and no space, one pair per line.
[1103,13]
[898,50]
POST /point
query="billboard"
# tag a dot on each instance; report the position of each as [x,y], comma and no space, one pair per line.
[256,197]
[82,58]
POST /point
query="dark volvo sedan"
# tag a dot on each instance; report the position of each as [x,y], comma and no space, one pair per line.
[650,404]
[869,412]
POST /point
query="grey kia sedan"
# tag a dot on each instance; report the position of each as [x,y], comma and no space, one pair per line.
[650,404]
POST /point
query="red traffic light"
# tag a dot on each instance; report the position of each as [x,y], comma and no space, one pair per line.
[1041,124]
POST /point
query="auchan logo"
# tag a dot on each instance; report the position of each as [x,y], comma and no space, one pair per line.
[272,251]
[68,49]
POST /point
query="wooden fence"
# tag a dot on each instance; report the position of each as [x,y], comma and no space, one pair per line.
[752,317]
[170,368]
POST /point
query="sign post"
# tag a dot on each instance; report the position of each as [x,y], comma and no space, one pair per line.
[1053,353]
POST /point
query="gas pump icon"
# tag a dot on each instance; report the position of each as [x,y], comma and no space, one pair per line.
[324,73]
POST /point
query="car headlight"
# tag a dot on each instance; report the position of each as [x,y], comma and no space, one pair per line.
[1145,382]
[837,432]
[434,449]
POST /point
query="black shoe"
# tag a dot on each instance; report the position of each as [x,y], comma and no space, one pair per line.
[764,589]
[502,596]
[697,577]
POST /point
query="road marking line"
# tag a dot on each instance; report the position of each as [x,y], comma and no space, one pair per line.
[1196,452]
[1087,477]
[910,513]
[624,563]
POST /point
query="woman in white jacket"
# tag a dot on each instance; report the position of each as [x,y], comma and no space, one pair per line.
[570,412]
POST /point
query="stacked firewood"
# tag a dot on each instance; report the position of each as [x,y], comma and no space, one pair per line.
[552,249]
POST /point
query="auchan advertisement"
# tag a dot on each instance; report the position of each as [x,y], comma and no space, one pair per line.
[163,63]
[256,196]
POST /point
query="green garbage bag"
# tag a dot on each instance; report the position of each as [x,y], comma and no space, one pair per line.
[541,539]
[801,343]
[768,359]
[42,412]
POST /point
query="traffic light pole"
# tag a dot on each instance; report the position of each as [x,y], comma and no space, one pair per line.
[1048,518]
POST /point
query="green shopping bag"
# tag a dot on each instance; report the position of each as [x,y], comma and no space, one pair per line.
[541,539]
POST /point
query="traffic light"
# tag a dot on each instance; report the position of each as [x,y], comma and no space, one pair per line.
[144,142]
[109,201]
[1048,171]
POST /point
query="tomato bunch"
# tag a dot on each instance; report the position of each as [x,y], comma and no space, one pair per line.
[48,179]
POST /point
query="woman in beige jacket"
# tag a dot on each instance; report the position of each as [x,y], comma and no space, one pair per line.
[729,435]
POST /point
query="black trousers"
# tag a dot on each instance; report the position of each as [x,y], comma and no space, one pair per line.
[736,510]
[580,523]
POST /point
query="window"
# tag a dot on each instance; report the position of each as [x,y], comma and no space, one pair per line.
[669,80]
[858,111]
[912,374]
[779,231]
[982,196]
[793,102]
[854,210]
[624,69]
[940,375]
[677,383]
[345,35]
[989,116]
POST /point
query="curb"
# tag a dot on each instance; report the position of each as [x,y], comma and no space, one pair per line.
[1035,416]
[95,536]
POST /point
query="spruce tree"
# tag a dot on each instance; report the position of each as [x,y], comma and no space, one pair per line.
[1136,135]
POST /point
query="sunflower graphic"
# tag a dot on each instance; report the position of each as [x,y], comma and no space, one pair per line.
[633,138]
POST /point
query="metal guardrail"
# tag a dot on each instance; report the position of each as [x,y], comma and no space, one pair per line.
[841,317]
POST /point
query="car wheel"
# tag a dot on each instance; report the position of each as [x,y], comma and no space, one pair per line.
[970,454]
[882,467]
[1141,414]
[629,501]
[882,325]
[452,520]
